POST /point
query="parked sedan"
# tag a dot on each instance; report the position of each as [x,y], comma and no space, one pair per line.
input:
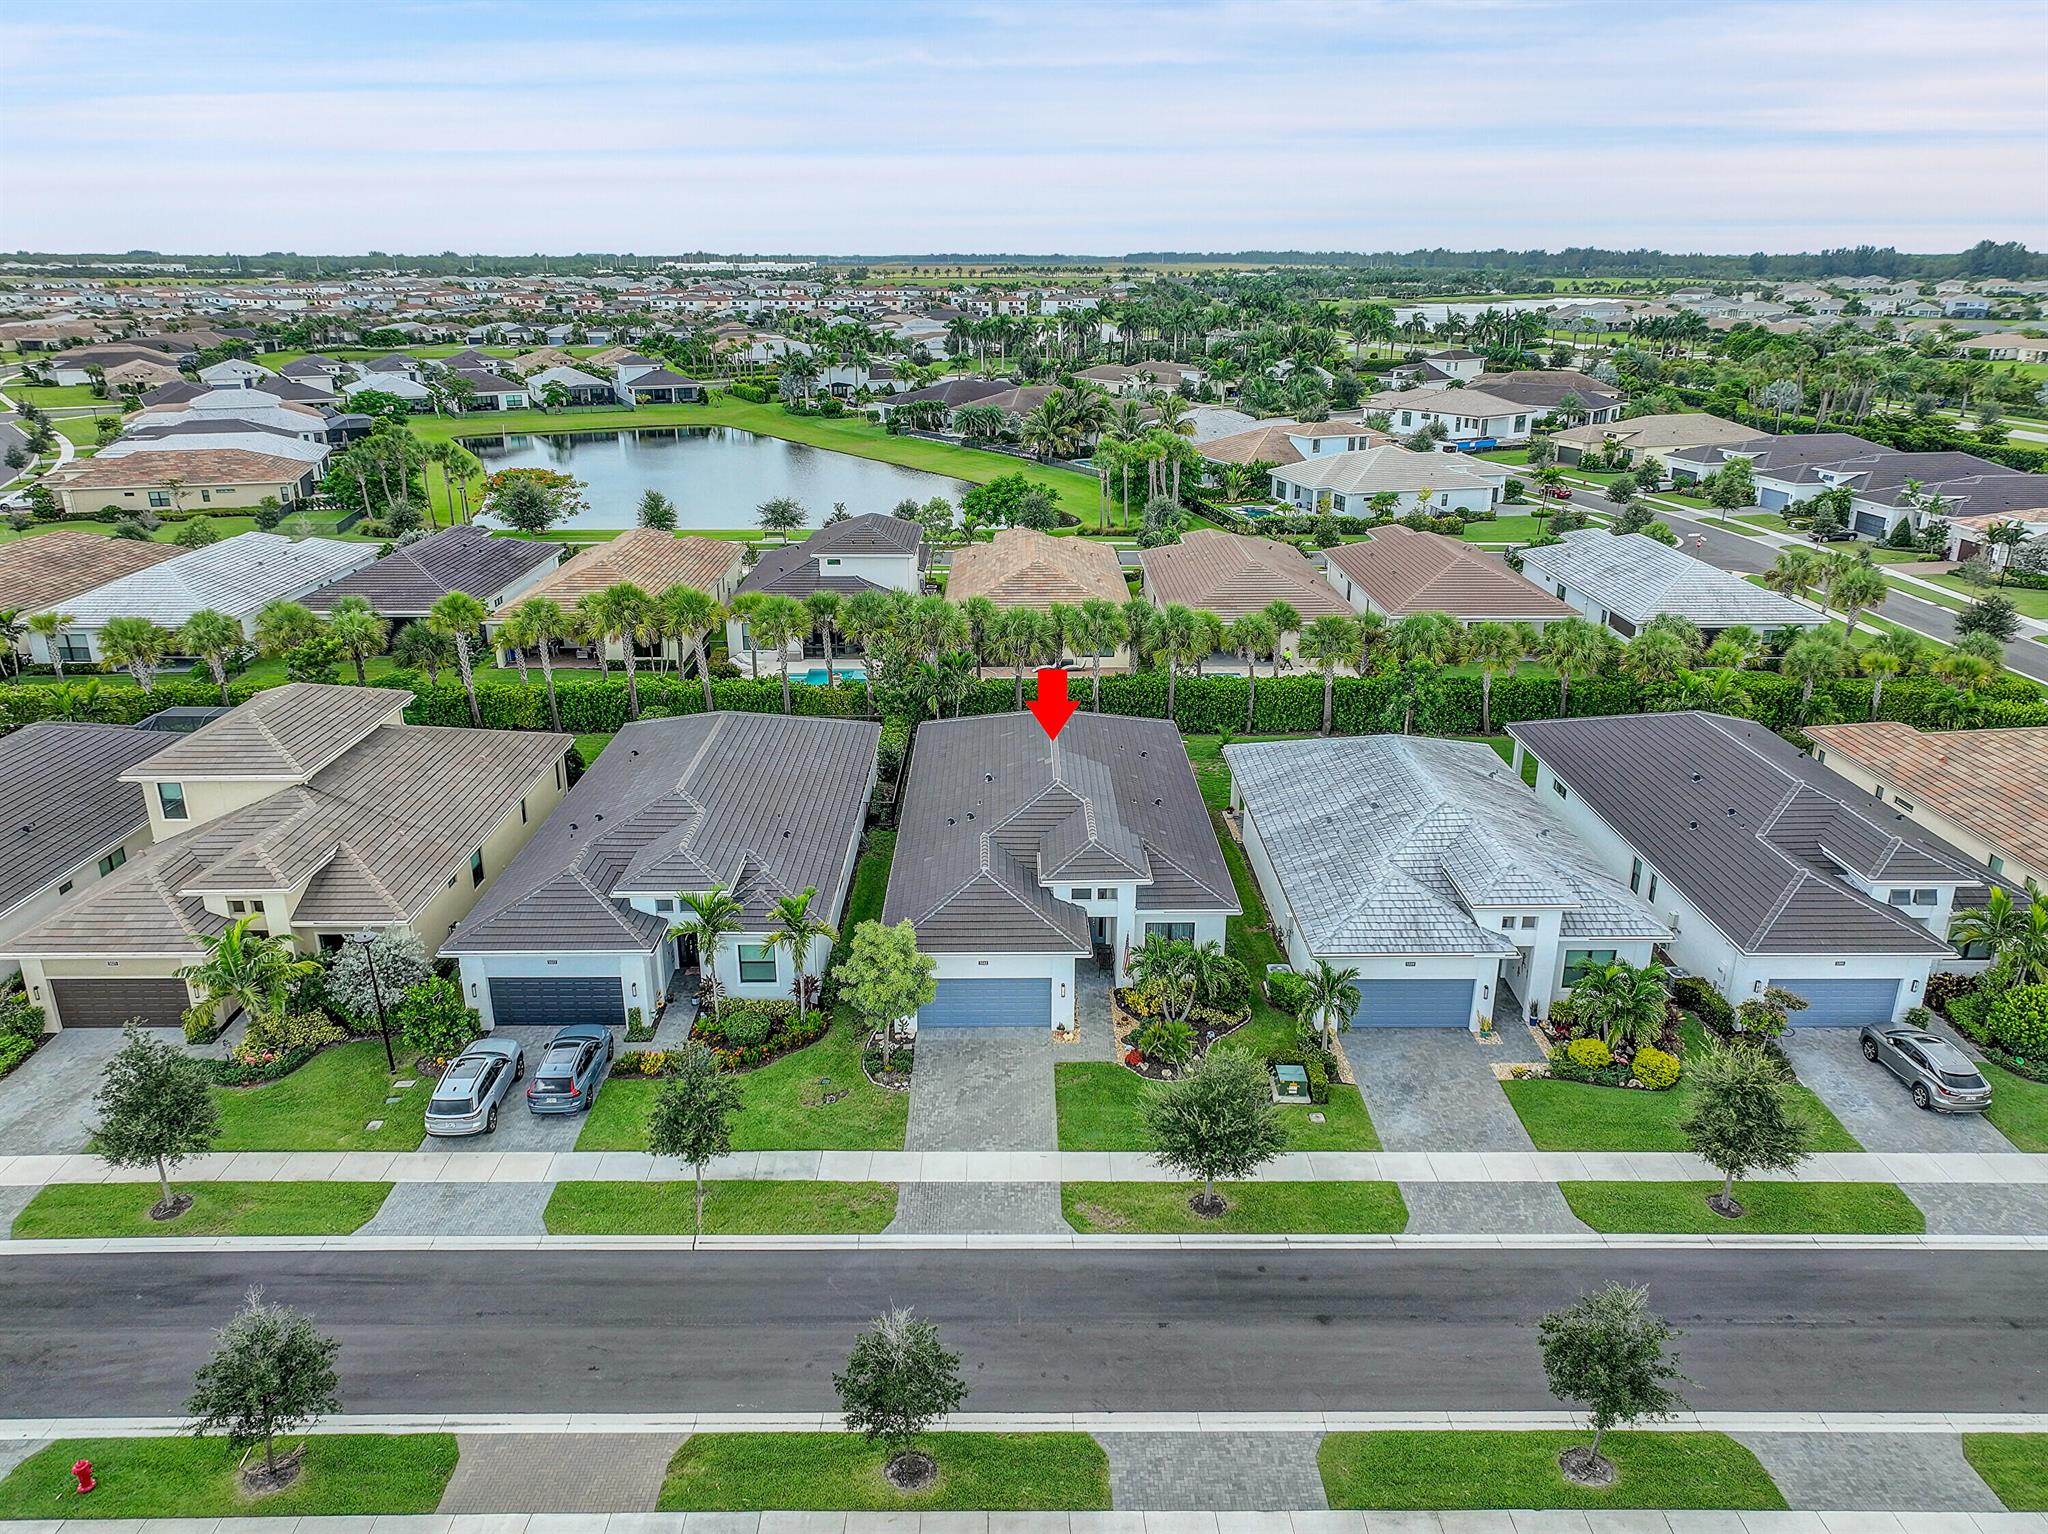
[1940,1076]
[466,1098]
[571,1069]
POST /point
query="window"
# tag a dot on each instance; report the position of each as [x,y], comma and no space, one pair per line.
[170,798]
[1653,888]
[1635,875]
[1172,931]
[113,860]
[1581,962]
[476,868]
[1073,894]
[1557,786]
[1528,923]
[1997,864]
[1105,894]
[664,906]
[64,888]
[1507,924]
[1904,804]
[159,497]
[757,963]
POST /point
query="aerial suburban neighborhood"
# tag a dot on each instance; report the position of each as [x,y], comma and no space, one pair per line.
[695,845]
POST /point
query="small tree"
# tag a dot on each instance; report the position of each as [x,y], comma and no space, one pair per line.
[434,1020]
[401,965]
[1770,1014]
[156,1108]
[1608,1351]
[897,1383]
[1218,1121]
[1741,1121]
[692,1115]
[884,978]
[271,1372]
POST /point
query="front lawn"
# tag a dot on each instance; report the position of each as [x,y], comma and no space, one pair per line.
[363,1474]
[72,1210]
[1426,1470]
[730,1208]
[1773,1209]
[1256,1208]
[2019,1107]
[2031,603]
[327,1104]
[1504,529]
[2014,1465]
[755,1472]
[1097,1102]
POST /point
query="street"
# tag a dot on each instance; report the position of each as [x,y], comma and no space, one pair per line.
[1248,1330]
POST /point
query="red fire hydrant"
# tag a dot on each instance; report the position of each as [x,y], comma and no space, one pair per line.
[83,1470]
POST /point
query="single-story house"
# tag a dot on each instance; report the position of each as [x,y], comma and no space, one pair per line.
[579,386]
[1770,869]
[646,557]
[315,809]
[314,368]
[656,386]
[189,479]
[2006,346]
[870,552]
[1650,436]
[762,805]
[1019,857]
[1401,570]
[1432,870]
[1229,575]
[1625,579]
[1434,484]
[398,385]
[1021,567]
[492,392]
[235,373]
[76,365]
[409,580]
[44,572]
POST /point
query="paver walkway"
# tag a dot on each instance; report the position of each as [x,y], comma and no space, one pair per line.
[462,1209]
[982,1089]
[559,1472]
[978,1209]
[1433,1089]
[1873,1472]
[1490,1208]
[1873,1104]
[1219,1472]
[1979,1210]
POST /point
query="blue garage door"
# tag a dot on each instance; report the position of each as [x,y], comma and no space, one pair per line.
[1414,1004]
[1773,500]
[1872,524]
[989,1004]
[1842,1003]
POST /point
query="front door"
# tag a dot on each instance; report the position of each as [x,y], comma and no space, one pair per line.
[1102,937]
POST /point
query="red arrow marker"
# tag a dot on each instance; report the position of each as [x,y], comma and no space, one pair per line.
[1052,705]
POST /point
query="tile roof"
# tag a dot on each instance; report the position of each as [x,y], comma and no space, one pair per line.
[794,570]
[1639,578]
[197,466]
[62,799]
[1382,844]
[1229,575]
[1405,570]
[1992,782]
[53,567]
[647,557]
[767,804]
[993,808]
[1752,831]
[1026,568]
[1373,469]
[1656,433]
[235,576]
[409,580]
[283,732]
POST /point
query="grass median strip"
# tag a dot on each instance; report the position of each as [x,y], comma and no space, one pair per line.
[2014,1465]
[1774,1209]
[1426,1470]
[1256,1208]
[753,1472]
[730,1208]
[345,1473]
[78,1210]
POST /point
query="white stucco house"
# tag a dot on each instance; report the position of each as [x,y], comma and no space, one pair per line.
[1436,484]
[871,552]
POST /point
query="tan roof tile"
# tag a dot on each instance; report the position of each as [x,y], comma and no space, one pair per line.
[1992,782]
[1406,571]
[646,557]
[1229,575]
[1025,568]
[53,567]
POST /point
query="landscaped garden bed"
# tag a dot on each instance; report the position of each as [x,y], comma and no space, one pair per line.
[1441,1470]
[358,1474]
[992,1472]
[76,1210]
[747,1031]
[731,1208]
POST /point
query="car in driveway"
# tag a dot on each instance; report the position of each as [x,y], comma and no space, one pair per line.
[467,1097]
[571,1069]
[1937,1074]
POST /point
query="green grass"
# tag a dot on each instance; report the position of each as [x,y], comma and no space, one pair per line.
[1510,529]
[1774,1208]
[2014,1465]
[78,1209]
[870,880]
[1212,773]
[344,1473]
[1097,1102]
[325,1105]
[1300,1208]
[1426,1470]
[59,396]
[753,1472]
[1573,1116]
[2019,1107]
[588,746]
[730,1208]
[2031,603]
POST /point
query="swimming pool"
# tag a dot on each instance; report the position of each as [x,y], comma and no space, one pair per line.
[816,675]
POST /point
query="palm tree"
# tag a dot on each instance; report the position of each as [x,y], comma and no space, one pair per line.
[135,644]
[1809,659]
[458,615]
[822,607]
[865,618]
[1573,645]
[1286,619]
[1624,1003]
[796,929]
[284,626]
[776,623]
[1327,642]
[1852,584]
[248,970]
[1331,1002]
[1878,662]
[213,637]
[1178,640]
[984,622]
[1022,639]
[1794,572]
[618,612]
[690,615]
[354,625]
[51,625]
[1368,632]
[714,916]
[540,621]
[1496,647]
[1424,639]
[1995,924]
[1098,628]
[1251,637]
[2022,956]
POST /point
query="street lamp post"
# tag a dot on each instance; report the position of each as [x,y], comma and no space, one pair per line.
[367,941]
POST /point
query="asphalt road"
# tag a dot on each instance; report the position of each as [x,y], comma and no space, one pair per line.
[1783,1330]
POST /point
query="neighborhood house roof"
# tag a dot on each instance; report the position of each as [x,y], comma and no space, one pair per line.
[1753,832]
[409,580]
[53,567]
[1992,782]
[1657,433]
[62,799]
[1230,576]
[197,467]
[1639,578]
[796,569]
[1404,570]
[235,576]
[647,557]
[1025,568]
[1390,468]
[1383,844]
[284,732]
[768,805]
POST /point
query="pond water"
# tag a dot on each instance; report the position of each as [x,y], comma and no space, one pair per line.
[1436,314]
[716,475]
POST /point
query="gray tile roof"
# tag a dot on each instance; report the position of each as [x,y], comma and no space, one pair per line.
[62,799]
[993,808]
[767,804]
[284,732]
[1753,832]
[1639,578]
[794,570]
[1383,843]
[408,581]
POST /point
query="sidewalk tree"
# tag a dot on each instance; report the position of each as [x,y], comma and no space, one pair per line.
[156,1108]
[271,1372]
[884,978]
[897,1383]
[1217,1122]
[1993,615]
[691,1119]
[1609,1352]
[1741,1119]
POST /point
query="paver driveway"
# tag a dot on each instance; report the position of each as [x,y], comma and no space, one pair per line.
[1432,1089]
[46,1104]
[982,1089]
[520,1129]
[1873,1104]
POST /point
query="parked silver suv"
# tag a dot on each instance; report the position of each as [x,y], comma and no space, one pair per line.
[466,1098]
[1941,1076]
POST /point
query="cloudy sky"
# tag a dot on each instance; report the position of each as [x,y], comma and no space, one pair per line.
[852,126]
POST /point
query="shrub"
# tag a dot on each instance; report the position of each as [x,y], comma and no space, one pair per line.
[434,1020]
[640,1062]
[1919,1017]
[13,1050]
[287,1032]
[1230,986]
[753,394]
[1167,1040]
[401,964]
[1655,1069]
[203,1024]
[1704,1002]
[20,1019]
[2018,1021]
[1944,986]
[1589,1054]
[1970,1014]
[747,1029]
[1287,991]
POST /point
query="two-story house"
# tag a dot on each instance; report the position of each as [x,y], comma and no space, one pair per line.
[871,552]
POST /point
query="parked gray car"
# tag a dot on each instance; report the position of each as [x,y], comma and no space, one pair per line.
[571,1069]
[466,1098]
[1940,1076]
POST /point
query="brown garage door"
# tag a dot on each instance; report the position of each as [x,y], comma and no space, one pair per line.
[158,1003]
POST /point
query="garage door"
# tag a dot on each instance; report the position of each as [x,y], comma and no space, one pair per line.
[1414,1004]
[1872,524]
[552,1000]
[1773,500]
[989,1004]
[158,1003]
[1842,1003]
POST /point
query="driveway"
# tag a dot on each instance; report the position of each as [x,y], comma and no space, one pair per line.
[982,1089]
[46,1104]
[518,1128]
[1873,1104]
[1432,1089]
